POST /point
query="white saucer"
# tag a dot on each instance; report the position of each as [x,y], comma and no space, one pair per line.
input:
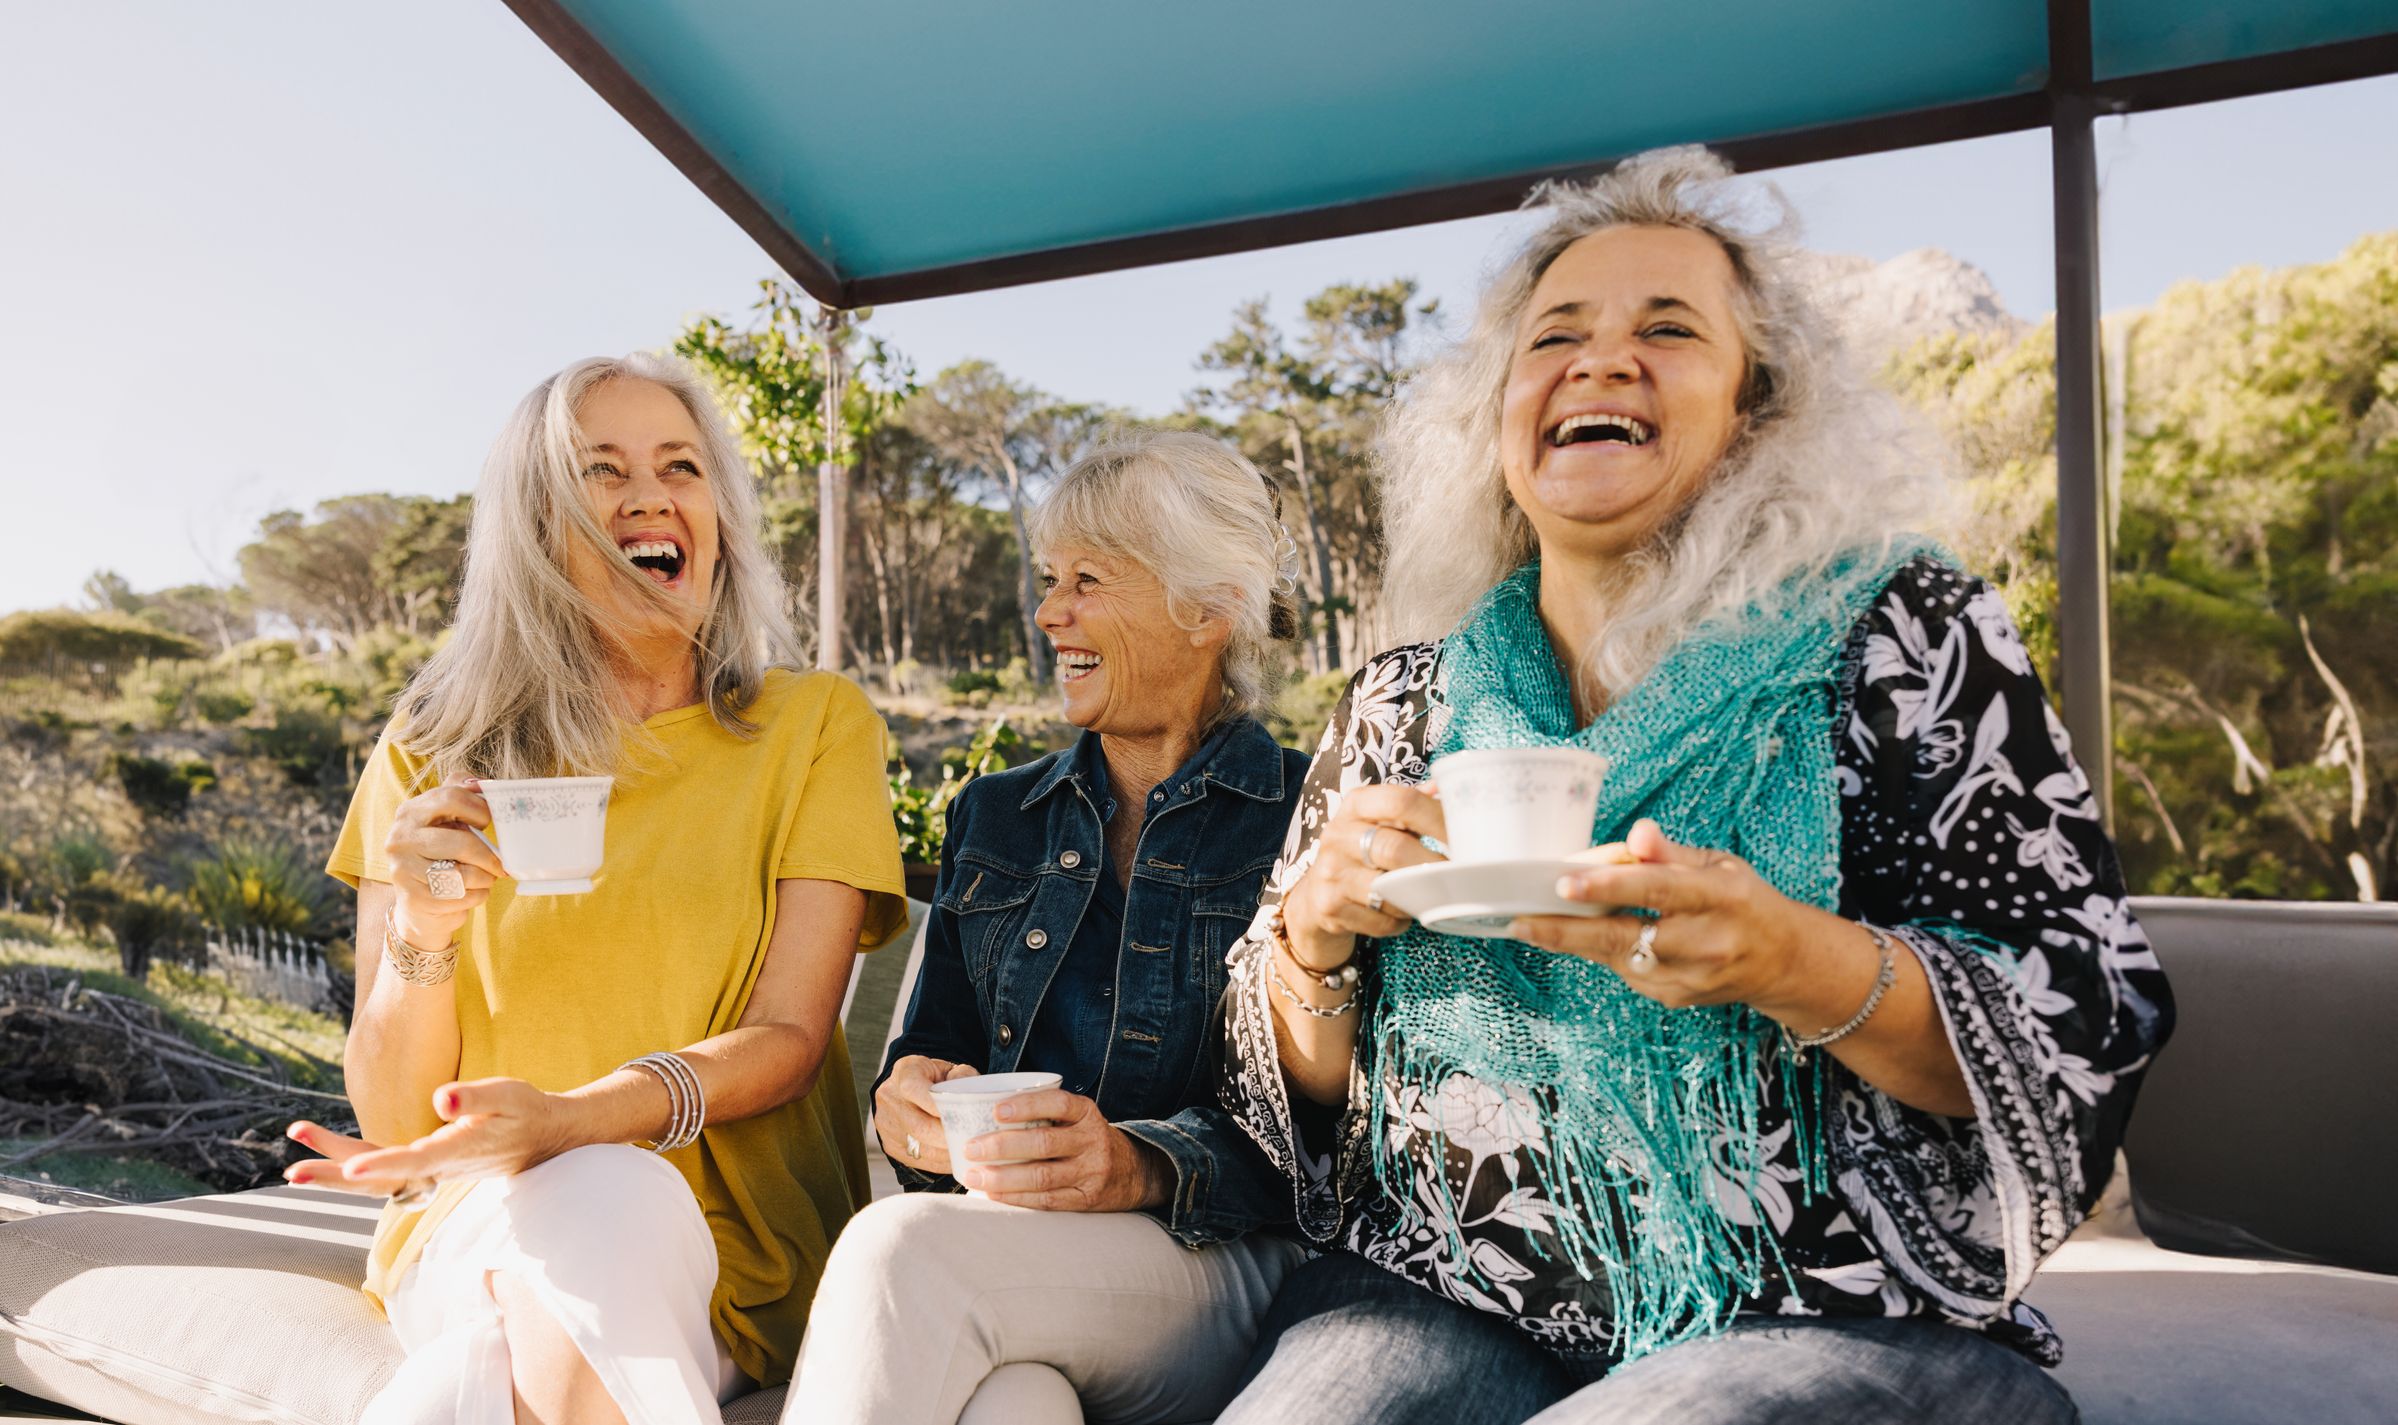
[1480,898]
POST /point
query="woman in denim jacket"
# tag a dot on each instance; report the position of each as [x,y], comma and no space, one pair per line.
[1080,924]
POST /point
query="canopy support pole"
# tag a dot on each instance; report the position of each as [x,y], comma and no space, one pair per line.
[2084,674]
[832,495]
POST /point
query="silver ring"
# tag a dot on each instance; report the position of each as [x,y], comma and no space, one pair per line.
[1365,846]
[915,1149]
[1644,951]
[444,882]
[415,1194]
[1374,902]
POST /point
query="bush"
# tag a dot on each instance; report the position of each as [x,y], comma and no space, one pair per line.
[923,812]
[146,920]
[973,680]
[259,884]
[160,789]
[222,705]
[17,925]
[1298,716]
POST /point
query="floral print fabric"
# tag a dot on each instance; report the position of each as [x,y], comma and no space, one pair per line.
[1961,804]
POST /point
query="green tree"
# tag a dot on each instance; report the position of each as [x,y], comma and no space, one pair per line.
[1014,438]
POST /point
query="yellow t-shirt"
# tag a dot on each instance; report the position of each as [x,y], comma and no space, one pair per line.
[663,952]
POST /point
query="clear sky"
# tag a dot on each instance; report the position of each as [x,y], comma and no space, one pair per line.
[258,253]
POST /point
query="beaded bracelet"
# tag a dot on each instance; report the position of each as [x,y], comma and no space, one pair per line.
[1799,1044]
[687,1102]
[1344,977]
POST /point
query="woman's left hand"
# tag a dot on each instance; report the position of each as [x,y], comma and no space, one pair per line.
[1082,1164]
[1723,935]
[493,1127]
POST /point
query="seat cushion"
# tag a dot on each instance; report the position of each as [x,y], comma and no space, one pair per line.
[243,1307]
[2264,1129]
[2156,1337]
[762,1407]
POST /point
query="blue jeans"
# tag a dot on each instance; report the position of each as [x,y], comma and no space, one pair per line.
[1347,1343]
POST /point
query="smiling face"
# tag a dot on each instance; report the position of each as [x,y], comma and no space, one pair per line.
[645,482]
[1624,388]
[1125,668]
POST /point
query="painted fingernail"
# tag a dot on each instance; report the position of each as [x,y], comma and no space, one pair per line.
[448,1102]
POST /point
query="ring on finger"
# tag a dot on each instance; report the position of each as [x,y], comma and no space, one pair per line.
[1365,846]
[1644,950]
[443,882]
[1374,902]
[415,1194]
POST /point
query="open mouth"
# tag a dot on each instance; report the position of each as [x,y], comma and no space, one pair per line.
[1075,663]
[661,559]
[1601,428]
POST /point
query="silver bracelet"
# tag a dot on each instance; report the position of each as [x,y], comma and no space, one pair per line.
[687,1111]
[1799,1044]
[417,967]
[1344,978]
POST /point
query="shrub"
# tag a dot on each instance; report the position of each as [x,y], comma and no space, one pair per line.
[923,812]
[973,680]
[160,789]
[146,920]
[258,883]
[222,705]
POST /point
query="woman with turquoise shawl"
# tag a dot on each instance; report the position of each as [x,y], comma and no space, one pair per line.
[1785,1136]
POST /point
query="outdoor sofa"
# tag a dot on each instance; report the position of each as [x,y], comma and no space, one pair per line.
[2250,1275]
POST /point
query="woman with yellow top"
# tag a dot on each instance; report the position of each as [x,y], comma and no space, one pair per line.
[620,616]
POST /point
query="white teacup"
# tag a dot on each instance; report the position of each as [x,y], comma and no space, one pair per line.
[970,1108]
[1519,803]
[552,830]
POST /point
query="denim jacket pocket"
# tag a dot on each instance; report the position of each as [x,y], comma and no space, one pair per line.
[989,902]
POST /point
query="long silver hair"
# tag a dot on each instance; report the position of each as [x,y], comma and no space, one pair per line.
[525,686]
[1823,461]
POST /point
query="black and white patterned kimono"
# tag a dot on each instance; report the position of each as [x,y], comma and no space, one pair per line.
[1960,803]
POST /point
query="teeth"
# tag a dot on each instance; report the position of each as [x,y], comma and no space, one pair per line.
[1078,662]
[1640,431]
[652,549]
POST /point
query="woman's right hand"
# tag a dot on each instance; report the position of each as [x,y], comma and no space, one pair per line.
[1333,903]
[433,826]
[905,1115]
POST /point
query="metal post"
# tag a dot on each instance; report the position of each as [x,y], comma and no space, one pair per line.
[2084,677]
[832,494]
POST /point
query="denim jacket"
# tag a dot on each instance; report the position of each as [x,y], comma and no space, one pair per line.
[1019,867]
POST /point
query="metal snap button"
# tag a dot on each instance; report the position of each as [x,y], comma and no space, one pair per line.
[1007,1036]
[1037,939]
[1069,859]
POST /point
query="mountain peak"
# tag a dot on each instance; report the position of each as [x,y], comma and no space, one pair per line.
[1883,307]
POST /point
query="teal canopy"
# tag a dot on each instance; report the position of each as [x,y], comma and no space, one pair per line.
[887,149]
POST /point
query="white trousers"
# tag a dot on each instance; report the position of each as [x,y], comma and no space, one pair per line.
[937,1308]
[611,1242]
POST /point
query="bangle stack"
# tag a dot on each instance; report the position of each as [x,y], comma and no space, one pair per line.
[689,1112]
[1799,1044]
[417,967]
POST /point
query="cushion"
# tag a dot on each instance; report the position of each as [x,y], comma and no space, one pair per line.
[2158,1337]
[2263,1129]
[243,1307]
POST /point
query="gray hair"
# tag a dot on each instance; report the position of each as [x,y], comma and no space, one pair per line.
[1207,525]
[1823,462]
[525,686]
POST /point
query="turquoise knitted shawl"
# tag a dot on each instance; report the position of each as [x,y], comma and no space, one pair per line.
[1638,1122]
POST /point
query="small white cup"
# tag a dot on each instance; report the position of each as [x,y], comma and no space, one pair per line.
[970,1108]
[552,830]
[1519,803]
